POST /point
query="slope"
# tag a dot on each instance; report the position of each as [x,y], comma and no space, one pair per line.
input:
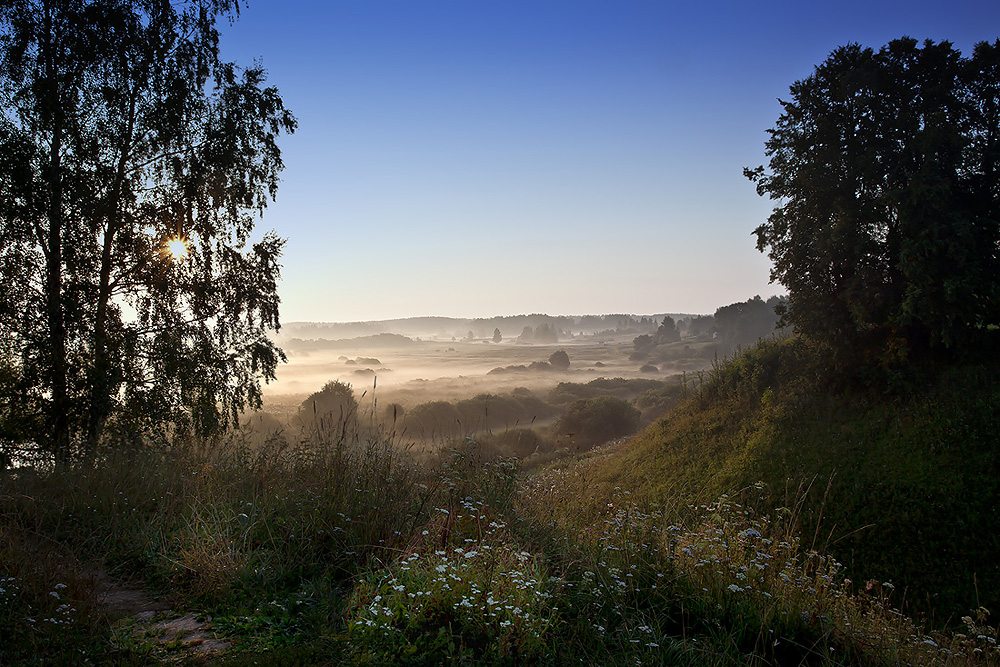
[900,483]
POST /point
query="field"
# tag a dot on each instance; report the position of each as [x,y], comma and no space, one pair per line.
[422,369]
[426,370]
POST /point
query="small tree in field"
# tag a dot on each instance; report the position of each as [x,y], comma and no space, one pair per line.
[134,161]
[334,406]
[545,334]
[667,332]
[643,344]
[559,360]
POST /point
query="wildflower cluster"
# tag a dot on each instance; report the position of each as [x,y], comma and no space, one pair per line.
[754,567]
[39,615]
[464,589]
[63,612]
[733,551]
[619,595]
[979,639]
[54,609]
[742,576]
[8,591]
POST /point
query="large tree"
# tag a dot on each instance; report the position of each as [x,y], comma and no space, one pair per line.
[884,169]
[122,130]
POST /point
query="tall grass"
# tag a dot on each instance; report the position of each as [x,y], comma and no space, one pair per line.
[733,582]
[914,465]
[228,527]
[345,549]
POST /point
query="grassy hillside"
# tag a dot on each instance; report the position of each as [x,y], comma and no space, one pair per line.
[900,483]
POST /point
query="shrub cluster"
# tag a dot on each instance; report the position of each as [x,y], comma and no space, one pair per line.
[590,421]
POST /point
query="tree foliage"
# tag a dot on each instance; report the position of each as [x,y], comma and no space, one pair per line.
[544,333]
[643,344]
[122,128]
[594,420]
[884,167]
[744,322]
[701,325]
[559,360]
[334,405]
[667,332]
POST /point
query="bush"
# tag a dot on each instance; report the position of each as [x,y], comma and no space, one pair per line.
[260,428]
[643,344]
[519,442]
[567,392]
[436,419]
[534,408]
[595,420]
[624,388]
[559,360]
[332,408]
[656,402]
[490,410]
[392,413]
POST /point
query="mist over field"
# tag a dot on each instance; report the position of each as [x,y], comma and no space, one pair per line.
[436,358]
[526,385]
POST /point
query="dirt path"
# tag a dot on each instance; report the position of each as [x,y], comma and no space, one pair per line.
[154,622]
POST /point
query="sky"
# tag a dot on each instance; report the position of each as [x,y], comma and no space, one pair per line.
[471,158]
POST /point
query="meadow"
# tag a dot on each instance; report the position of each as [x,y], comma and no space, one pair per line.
[357,547]
[398,378]
[418,369]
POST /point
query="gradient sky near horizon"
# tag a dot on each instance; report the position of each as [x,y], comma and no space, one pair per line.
[471,158]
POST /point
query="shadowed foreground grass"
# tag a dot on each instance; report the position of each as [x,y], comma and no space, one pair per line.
[354,553]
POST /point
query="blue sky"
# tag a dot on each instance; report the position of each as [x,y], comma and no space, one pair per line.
[475,157]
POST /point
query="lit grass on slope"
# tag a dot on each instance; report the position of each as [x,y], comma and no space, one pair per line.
[905,483]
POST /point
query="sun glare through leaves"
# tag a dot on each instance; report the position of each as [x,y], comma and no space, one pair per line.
[176,248]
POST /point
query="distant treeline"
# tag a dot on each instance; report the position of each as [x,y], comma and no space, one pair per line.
[411,326]
[745,322]
[564,326]
[510,326]
[374,341]
[737,324]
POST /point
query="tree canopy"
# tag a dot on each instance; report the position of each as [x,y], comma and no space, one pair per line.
[745,322]
[667,332]
[884,165]
[333,407]
[594,420]
[559,360]
[133,164]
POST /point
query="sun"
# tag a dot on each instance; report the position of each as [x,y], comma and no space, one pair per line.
[176,248]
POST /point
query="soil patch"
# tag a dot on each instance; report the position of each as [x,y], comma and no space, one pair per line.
[147,619]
